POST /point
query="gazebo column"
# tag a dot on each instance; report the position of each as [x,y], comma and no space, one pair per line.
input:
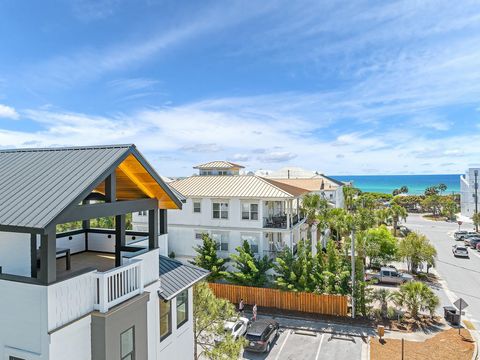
[33,255]
[48,256]
[153,229]
[120,239]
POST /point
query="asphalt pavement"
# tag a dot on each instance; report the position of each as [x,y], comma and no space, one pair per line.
[460,276]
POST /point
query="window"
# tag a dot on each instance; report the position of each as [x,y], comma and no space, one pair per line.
[197,206]
[249,211]
[220,210]
[127,344]
[252,240]
[165,319]
[198,235]
[182,308]
[143,213]
[221,238]
[14,358]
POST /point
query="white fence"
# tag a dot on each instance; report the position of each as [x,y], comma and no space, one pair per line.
[119,284]
[150,265]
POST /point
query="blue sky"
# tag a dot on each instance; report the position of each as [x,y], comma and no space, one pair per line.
[342,87]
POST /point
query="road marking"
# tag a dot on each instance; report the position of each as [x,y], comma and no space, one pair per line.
[319,347]
[283,345]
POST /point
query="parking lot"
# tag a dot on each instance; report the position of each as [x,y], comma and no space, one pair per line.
[313,345]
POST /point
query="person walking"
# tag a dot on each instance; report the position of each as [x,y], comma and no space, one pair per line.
[241,306]
[254,311]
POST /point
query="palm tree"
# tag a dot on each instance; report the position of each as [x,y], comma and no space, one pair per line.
[397,213]
[382,296]
[349,194]
[416,296]
[442,188]
[312,205]
[476,220]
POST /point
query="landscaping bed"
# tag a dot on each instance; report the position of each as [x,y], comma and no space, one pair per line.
[448,345]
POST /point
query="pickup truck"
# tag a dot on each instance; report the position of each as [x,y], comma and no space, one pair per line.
[390,275]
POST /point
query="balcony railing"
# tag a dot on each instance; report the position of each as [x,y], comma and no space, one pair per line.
[119,284]
[280,221]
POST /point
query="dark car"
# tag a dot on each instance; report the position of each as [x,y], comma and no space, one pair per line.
[261,334]
[473,241]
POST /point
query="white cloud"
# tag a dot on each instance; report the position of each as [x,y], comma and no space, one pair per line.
[8,112]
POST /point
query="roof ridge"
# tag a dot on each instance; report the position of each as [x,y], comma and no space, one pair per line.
[67,148]
[270,182]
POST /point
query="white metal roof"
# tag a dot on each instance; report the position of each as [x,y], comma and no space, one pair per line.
[218,165]
[239,186]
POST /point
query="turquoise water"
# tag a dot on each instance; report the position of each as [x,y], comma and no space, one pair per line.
[416,183]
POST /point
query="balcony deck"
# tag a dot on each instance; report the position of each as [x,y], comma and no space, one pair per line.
[88,259]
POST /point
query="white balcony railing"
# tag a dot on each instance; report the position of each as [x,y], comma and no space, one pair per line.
[119,284]
[150,265]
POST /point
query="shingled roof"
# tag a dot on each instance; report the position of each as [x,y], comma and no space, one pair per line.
[36,185]
[176,276]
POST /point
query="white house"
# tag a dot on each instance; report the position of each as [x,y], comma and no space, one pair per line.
[234,208]
[89,294]
[468,183]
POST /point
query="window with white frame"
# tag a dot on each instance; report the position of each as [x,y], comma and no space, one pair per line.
[197,206]
[143,213]
[249,211]
[220,210]
[221,239]
[199,234]
[252,239]
[182,308]
[127,344]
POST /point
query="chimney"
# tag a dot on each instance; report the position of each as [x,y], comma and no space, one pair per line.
[288,173]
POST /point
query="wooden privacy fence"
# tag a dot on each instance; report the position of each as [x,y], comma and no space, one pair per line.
[286,300]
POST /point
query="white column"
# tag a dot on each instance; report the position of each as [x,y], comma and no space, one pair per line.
[287,205]
[314,239]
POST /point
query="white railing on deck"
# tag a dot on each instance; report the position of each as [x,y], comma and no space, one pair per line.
[150,265]
[119,284]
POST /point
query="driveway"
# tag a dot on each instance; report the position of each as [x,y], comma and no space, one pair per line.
[461,276]
[315,340]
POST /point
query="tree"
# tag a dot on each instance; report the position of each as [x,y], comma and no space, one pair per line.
[402,190]
[476,220]
[416,296]
[208,259]
[312,205]
[209,316]
[442,188]
[295,272]
[382,296]
[349,195]
[380,245]
[397,213]
[449,208]
[432,203]
[432,190]
[416,249]
[251,271]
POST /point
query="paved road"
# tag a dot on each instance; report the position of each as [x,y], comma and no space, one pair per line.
[461,276]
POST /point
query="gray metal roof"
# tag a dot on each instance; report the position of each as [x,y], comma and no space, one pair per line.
[176,276]
[36,185]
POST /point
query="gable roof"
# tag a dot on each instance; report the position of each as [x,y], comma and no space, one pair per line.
[218,165]
[176,276]
[36,185]
[317,183]
[238,186]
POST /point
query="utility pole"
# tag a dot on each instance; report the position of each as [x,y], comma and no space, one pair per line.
[476,196]
[352,256]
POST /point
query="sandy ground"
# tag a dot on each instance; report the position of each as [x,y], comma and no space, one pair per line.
[447,345]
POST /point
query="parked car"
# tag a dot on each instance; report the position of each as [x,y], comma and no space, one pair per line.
[473,241]
[390,275]
[470,238]
[461,235]
[261,334]
[460,250]
[478,247]
[235,327]
[404,230]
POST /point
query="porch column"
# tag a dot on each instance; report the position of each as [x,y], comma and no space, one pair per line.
[163,221]
[48,257]
[298,209]
[120,239]
[287,203]
[33,255]
[153,229]
[86,226]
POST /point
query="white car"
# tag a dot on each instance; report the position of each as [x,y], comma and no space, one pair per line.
[460,250]
[235,327]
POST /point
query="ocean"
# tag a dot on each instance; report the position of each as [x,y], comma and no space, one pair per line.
[416,183]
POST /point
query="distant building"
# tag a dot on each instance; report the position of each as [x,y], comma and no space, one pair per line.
[467,191]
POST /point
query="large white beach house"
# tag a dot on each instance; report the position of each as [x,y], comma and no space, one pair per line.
[468,195]
[232,208]
[89,294]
